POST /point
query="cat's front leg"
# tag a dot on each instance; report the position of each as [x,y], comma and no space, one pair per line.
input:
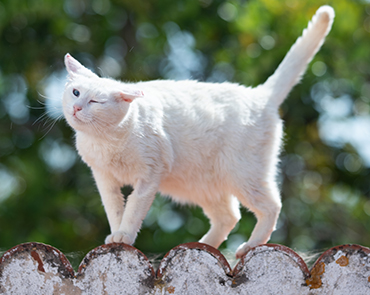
[112,198]
[137,206]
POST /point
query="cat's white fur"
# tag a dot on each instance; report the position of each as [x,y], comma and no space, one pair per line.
[213,145]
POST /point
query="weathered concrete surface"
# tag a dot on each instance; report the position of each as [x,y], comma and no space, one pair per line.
[342,270]
[191,268]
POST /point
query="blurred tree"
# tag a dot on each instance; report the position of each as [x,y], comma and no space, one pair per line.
[48,195]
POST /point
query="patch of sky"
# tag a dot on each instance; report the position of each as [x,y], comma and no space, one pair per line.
[338,125]
[54,87]
[182,60]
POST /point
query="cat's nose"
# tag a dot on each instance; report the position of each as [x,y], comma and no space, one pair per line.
[77,108]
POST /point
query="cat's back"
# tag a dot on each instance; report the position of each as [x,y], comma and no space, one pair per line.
[192,100]
[194,92]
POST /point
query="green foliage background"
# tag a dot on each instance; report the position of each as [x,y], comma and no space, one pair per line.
[325,185]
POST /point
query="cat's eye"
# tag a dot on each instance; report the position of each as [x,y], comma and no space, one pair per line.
[93,101]
[76,92]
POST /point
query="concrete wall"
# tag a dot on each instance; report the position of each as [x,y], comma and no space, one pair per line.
[191,268]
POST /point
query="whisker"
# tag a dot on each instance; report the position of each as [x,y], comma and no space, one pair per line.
[51,115]
[35,108]
[51,126]
[47,98]
[39,118]
[47,115]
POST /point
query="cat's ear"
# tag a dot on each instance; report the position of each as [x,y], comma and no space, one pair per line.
[75,68]
[128,94]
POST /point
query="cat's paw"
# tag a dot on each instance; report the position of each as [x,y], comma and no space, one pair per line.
[119,237]
[244,248]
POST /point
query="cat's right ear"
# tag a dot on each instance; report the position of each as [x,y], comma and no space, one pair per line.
[128,94]
[75,68]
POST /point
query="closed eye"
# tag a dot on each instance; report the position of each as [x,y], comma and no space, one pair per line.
[93,101]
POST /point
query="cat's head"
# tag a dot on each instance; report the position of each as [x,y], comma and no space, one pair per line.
[92,104]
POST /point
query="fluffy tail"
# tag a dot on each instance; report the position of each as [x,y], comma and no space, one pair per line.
[304,49]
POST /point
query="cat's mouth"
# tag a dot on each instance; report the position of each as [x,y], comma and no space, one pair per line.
[77,119]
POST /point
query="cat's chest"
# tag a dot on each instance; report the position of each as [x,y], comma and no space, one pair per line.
[106,156]
[93,154]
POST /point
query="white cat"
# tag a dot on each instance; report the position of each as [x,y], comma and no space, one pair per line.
[209,144]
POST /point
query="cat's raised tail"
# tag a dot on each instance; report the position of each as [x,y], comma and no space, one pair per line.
[294,64]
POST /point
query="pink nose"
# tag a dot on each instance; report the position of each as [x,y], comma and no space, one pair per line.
[77,108]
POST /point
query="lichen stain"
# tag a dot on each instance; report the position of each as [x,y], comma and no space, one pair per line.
[314,282]
[342,261]
[171,289]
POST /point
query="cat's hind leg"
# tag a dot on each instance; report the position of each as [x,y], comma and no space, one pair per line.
[224,215]
[264,201]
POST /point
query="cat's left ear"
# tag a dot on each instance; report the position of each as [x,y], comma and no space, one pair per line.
[75,68]
[129,94]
